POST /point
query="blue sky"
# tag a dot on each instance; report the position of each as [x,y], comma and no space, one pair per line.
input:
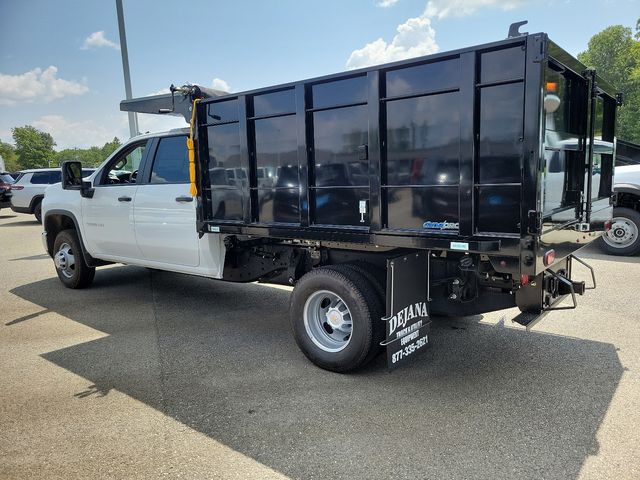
[61,70]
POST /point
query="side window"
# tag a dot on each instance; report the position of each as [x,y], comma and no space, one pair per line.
[55,177]
[123,170]
[171,164]
[40,178]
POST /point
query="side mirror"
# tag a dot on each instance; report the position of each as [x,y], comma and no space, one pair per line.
[72,179]
[71,175]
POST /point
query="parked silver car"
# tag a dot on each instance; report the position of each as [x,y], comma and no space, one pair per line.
[28,190]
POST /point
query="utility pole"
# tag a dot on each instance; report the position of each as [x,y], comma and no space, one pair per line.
[133,118]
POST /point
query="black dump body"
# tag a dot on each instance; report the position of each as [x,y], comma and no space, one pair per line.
[488,149]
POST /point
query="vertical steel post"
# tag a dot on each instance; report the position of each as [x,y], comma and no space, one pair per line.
[133,118]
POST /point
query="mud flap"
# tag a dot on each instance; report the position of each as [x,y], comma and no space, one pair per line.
[407,320]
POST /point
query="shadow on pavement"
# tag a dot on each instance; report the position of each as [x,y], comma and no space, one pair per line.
[20,224]
[483,401]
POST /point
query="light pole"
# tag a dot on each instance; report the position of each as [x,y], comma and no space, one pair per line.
[133,118]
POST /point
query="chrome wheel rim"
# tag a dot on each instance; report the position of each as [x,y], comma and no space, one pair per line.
[328,321]
[623,232]
[65,260]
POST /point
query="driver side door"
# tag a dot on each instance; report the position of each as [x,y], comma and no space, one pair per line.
[109,228]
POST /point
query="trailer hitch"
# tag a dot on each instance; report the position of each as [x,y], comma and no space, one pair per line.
[553,286]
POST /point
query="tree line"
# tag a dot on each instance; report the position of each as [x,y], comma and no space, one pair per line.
[33,148]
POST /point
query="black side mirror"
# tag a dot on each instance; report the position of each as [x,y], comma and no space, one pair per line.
[71,175]
[72,179]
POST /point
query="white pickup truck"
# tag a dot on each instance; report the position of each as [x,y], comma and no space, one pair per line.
[139,214]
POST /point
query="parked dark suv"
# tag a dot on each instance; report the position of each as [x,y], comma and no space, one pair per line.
[6,181]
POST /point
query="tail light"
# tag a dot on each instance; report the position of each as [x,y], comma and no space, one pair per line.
[549,257]
[16,187]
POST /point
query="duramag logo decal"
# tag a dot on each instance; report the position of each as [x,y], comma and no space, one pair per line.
[431,225]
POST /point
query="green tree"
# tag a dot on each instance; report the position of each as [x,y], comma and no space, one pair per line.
[8,154]
[90,157]
[615,54]
[110,147]
[33,147]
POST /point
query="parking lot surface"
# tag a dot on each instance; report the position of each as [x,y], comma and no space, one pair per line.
[149,374]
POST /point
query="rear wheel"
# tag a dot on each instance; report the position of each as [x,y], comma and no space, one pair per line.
[624,236]
[71,268]
[334,311]
[37,211]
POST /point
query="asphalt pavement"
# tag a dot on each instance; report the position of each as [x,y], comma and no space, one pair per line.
[149,374]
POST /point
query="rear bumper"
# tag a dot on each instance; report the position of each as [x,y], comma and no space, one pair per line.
[549,288]
[20,209]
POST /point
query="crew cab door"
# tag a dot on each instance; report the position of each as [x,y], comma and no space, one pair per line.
[165,212]
[108,216]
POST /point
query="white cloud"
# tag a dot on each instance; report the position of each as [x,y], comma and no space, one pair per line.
[37,85]
[386,3]
[69,134]
[415,38]
[462,8]
[220,84]
[97,39]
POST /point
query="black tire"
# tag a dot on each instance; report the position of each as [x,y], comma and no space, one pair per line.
[81,275]
[372,275]
[631,247]
[364,306]
[37,211]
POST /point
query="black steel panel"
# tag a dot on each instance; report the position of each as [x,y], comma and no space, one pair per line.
[223,112]
[226,203]
[276,150]
[423,140]
[340,206]
[274,103]
[498,209]
[224,146]
[504,64]
[412,207]
[423,78]
[341,92]
[279,205]
[338,134]
[501,135]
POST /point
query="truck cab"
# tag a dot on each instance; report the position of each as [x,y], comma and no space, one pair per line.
[136,209]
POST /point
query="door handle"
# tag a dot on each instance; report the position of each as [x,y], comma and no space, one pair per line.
[184,198]
[124,199]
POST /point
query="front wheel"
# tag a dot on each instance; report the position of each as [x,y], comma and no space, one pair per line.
[333,318]
[71,268]
[624,236]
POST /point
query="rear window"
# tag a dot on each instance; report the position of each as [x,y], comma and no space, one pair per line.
[5,178]
[171,164]
[40,178]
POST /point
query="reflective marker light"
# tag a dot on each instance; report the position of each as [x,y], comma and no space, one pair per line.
[524,279]
[549,258]
[607,225]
